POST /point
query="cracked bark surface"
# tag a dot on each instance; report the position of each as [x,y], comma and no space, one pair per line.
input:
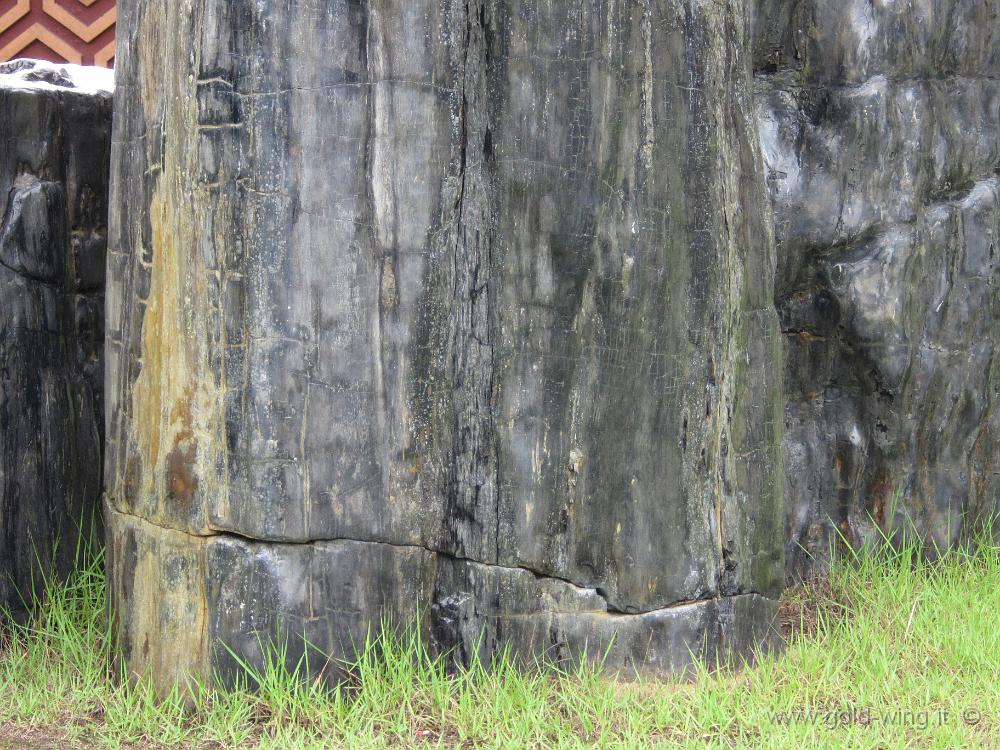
[880,124]
[458,309]
[53,203]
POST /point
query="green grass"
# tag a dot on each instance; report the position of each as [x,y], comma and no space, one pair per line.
[893,651]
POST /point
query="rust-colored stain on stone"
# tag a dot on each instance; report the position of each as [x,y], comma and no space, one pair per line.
[880,493]
[180,471]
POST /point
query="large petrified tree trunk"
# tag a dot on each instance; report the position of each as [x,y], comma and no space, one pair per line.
[54,154]
[452,307]
[881,130]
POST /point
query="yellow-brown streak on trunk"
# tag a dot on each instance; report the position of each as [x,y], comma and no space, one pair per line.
[167,623]
[175,401]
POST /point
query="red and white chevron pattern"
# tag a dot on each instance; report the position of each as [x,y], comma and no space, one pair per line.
[74,31]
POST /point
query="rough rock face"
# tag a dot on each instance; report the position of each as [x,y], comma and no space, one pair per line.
[880,123]
[56,126]
[450,308]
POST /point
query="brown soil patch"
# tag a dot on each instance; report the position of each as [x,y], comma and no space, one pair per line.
[806,605]
[32,738]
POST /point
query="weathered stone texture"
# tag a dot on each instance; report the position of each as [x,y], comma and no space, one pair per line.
[54,159]
[880,123]
[462,307]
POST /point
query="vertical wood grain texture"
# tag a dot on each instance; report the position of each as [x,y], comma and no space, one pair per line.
[462,308]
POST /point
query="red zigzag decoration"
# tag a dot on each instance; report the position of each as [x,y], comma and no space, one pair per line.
[74,31]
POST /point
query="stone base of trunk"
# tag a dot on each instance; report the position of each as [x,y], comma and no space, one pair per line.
[198,606]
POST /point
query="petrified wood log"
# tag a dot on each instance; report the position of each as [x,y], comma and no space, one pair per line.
[440,309]
[55,123]
[881,130]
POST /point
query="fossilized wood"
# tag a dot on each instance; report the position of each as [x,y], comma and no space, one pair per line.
[881,130]
[462,308]
[54,158]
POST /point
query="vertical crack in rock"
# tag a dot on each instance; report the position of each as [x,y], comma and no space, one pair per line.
[474,496]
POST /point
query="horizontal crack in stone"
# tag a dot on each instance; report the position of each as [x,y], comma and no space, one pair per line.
[610,609]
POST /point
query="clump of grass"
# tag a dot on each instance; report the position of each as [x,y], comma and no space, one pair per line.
[892,650]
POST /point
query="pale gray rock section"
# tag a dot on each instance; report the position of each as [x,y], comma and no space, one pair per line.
[55,126]
[441,306]
[880,125]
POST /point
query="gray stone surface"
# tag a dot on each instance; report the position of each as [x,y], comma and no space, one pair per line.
[54,158]
[880,123]
[453,308]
